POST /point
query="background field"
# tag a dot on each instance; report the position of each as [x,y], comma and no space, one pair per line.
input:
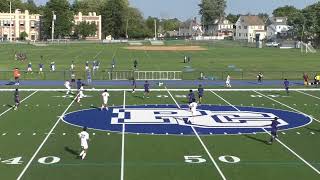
[152,156]
[221,58]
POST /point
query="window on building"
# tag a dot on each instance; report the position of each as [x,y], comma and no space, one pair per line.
[239,34]
[21,23]
[246,34]
[245,27]
[239,27]
[32,24]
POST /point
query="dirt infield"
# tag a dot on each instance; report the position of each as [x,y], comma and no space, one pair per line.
[166,48]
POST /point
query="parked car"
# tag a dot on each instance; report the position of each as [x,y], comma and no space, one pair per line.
[272,44]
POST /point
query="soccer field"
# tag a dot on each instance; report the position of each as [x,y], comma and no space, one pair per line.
[220,58]
[147,138]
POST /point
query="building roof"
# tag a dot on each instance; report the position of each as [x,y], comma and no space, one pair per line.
[251,20]
[278,20]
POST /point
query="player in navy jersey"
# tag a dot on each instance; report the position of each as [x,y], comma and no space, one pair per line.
[134,85]
[146,89]
[16,99]
[274,130]
[200,93]
[286,85]
[191,97]
[79,84]
[40,68]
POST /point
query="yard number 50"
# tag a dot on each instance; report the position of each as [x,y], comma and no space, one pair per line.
[194,159]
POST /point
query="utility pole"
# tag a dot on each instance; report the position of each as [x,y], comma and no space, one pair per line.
[10,34]
[127,29]
[155,29]
[52,28]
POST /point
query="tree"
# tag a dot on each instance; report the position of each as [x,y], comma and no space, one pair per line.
[23,36]
[31,6]
[64,18]
[85,29]
[170,24]
[150,25]
[136,25]
[86,6]
[233,18]
[114,13]
[15,4]
[211,10]
[285,11]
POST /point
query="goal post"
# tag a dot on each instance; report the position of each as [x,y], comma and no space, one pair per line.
[307,48]
[144,75]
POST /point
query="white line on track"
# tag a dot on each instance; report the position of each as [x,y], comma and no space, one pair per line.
[122,143]
[44,141]
[162,90]
[203,145]
[308,94]
[284,145]
[286,105]
[20,102]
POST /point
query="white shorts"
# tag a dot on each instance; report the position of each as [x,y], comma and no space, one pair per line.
[87,67]
[227,82]
[40,69]
[84,146]
[81,95]
[105,101]
[29,69]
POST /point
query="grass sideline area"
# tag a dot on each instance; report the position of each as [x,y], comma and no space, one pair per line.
[220,59]
[39,145]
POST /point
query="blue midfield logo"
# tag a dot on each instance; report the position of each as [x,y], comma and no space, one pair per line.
[168,119]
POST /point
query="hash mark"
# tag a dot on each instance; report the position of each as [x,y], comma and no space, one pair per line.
[298,132]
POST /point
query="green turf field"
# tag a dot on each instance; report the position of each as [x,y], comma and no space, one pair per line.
[37,145]
[220,59]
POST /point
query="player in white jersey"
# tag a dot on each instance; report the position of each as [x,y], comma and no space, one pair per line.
[67,85]
[84,138]
[80,95]
[228,84]
[105,97]
[193,109]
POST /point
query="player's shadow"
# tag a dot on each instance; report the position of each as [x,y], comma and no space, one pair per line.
[71,151]
[136,96]
[257,139]
[10,106]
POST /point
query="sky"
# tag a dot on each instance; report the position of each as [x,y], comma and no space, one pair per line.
[185,9]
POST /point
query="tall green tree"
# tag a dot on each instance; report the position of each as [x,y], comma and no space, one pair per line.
[233,18]
[170,24]
[211,10]
[86,6]
[64,18]
[136,26]
[85,29]
[114,13]
[285,11]
[149,22]
[15,4]
[31,6]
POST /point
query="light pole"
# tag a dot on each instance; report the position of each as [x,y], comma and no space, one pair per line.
[52,28]
[10,35]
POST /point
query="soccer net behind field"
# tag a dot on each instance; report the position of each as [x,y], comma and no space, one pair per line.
[307,48]
[145,75]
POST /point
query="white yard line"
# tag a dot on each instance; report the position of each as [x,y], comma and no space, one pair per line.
[308,94]
[283,144]
[286,106]
[45,139]
[20,102]
[122,144]
[203,145]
